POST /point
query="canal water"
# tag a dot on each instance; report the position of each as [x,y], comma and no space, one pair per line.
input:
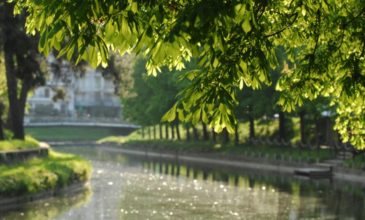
[130,187]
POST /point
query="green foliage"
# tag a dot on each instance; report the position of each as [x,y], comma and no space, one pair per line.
[357,162]
[39,175]
[235,43]
[153,96]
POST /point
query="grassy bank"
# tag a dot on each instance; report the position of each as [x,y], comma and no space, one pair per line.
[41,174]
[267,152]
[28,143]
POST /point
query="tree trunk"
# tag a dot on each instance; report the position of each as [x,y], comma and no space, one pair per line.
[282,129]
[252,127]
[214,135]
[195,133]
[21,65]
[178,131]
[154,132]
[225,136]
[205,132]
[149,133]
[160,130]
[23,98]
[166,131]
[14,107]
[187,132]
[2,136]
[302,126]
[142,132]
[252,123]
[172,131]
[236,138]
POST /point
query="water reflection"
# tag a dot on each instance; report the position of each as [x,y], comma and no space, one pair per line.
[260,195]
[129,187]
[48,208]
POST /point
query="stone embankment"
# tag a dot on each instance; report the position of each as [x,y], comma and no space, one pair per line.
[16,156]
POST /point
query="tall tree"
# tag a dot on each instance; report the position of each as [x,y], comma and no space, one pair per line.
[22,67]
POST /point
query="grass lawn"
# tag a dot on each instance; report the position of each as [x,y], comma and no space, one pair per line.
[40,174]
[70,133]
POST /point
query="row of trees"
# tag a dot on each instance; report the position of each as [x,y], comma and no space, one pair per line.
[150,98]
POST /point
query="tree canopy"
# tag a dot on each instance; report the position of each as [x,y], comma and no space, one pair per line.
[235,42]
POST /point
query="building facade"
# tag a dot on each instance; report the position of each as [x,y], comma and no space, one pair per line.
[75,94]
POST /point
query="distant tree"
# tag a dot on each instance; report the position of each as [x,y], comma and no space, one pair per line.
[120,69]
[150,97]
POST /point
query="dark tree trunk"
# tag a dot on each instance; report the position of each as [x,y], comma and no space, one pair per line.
[154,132]
[225,136]
[236,138]
[166,131]
[251,123]
[187,132]
[21,65]
[172,131]
[282,129]
[16,102]
[14,107]
[195,133]
[302,126]
[178,135]
[23,98]
[2,136]
[160,130]
[252,127]
[205,132]
[149,133]
[142,132]
[214,135]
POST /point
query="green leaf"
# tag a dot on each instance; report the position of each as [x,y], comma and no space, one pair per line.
[42,40]
[170,115]
[134,7]
[246,26]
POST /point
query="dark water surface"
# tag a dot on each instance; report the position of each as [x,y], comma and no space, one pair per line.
[126,187]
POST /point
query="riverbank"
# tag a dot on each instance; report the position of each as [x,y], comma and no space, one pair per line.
[247,150]
[39,176]
[234,158]
[13,145]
